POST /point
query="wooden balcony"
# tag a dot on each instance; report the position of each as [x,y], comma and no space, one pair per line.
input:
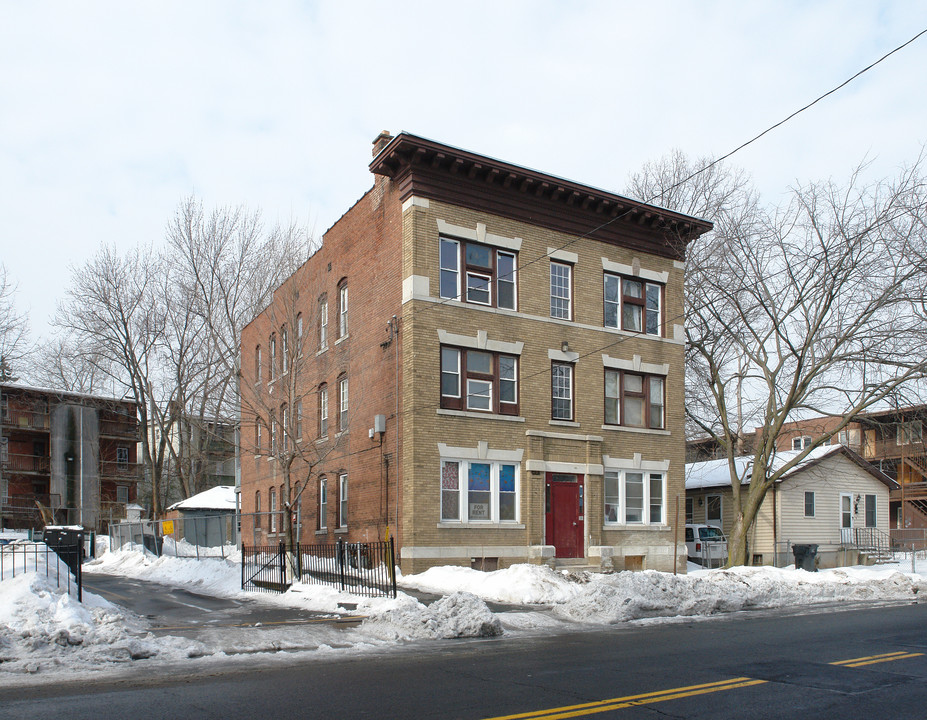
[120,472]
[910,491]
[25,420]
[25,464]
[25,504]
[124,429]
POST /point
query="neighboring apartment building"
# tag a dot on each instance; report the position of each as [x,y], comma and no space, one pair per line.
[504,385]
[892,440]
[73,454]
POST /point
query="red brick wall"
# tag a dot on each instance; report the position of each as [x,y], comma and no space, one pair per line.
[364,249]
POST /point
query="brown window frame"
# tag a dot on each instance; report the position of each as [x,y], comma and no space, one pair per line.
[491,273]
[494,377]
[643,395]
[625,299]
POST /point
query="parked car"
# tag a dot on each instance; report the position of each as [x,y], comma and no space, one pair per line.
[706,545]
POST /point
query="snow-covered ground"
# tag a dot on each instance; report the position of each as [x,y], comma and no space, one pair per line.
[44,631]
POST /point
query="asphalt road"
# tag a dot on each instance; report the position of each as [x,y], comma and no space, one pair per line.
[839,663]
[178,611]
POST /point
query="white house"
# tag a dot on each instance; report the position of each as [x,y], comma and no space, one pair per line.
[833,499]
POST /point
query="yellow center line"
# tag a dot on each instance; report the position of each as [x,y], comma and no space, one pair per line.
[884,657]
[569,711]
[882,660]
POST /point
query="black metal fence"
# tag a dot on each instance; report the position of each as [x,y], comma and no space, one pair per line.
[63,564]
[367,568]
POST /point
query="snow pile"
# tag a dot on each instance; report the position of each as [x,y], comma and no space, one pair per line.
[459,615]
[518,584]
[44,628]
[626,596]
[216,576]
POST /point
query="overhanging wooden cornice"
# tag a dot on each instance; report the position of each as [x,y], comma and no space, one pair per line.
[427,169]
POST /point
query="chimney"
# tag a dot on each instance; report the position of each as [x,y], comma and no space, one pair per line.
[381,141]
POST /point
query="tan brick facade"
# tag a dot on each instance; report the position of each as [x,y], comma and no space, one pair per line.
[387,250]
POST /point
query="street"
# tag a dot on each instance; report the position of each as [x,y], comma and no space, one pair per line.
[847,663]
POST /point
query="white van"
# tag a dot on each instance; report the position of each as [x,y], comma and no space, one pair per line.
[706,545]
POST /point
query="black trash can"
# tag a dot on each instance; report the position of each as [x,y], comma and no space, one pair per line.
[68,542]
[805,556]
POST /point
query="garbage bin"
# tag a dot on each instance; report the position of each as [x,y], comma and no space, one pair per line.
[805,556]
[68,542]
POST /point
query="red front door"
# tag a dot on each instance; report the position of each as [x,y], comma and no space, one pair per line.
[564,516]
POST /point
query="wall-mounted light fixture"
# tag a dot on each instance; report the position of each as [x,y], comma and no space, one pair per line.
[564,346]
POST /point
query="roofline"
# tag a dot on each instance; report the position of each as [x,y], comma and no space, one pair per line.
[68,393]
[380,165]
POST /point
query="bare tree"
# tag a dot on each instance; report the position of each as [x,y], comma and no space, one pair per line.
[113,312]
[14,329]
[813,308]
[60,363]
[222,269]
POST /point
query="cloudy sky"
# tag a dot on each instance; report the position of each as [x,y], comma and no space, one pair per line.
[112,112]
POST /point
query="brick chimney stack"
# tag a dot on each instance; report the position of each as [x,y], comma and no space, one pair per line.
[381,141]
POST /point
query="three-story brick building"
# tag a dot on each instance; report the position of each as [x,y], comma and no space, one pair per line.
[505,384]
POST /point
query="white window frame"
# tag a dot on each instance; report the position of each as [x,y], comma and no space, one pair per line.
[813,504]
[273,509]
[272,344]
[343,500]
[615,509]
[720,519]
[554,390]
[323,325]
[909,433]
[342,404]
[123,491]
[563,309]
[284,349]
[323,503]
[259,370]
[122,456]
[343,311]
[800,443]
[323,411]
[461,503]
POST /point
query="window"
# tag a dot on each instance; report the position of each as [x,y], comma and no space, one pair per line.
[870,507]
[561,382]
[637,303]
[634,400]
[489,273]
[272,344]
[323,324]
[561,290]
[273,434]
[479,380]
[299,333]
[800,443]
[122,457]
[490,495]
[299,420]
[690,511]
[342,311]
[273,510]
[258,432]
[122,494]
[285,428]
[342,404]
[343,500]
[713,509]
[323,410]
[257,510]
[635,498]
[809,504]
[284,348]
[909,432]
[850,438]
[323,503]
[257,364]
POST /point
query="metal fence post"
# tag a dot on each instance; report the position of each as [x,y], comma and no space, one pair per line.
[392,565]
[340,552]
[282,551]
